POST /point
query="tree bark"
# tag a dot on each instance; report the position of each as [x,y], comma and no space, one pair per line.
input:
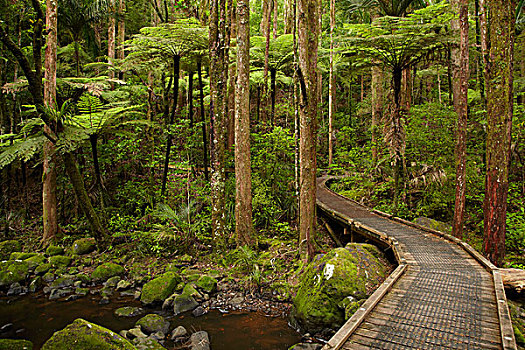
[121,33]
[111,37]
[49,176]
[266,61]
[308,35]
[499,33]
[377,109]
[460,71]
[331,87]
[243,173]
[218,81]
[190,98]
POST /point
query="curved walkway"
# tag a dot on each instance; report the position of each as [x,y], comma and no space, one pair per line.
[443,295]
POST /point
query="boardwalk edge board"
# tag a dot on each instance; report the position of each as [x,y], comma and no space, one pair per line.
[506,328]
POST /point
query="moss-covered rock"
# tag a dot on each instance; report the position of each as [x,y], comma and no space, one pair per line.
[207,284]
[8,247]
[84,335]
[15,344]
[190,290]
[153,323]
[13,271]
[61,282]
[352,271]
[35,261]
[21,255]
[129,311]
[84,246]
[53,250]
[60,261]
[106,271]
[158,289]
[43,268]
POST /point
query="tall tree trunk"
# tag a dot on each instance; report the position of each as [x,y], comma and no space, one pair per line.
[460,71]
[218,81]
[331,87]
[243,173]
[232,78]
[111,37]
[308,35]
[176,73]
[266,62]
[49,177]
[499,31]
[377,109]
[275,14]
[479,45]
[273,83]
[289,16]
[203,121]
[190,98]
[121,34]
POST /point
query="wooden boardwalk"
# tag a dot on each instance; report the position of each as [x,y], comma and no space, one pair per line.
[443,295]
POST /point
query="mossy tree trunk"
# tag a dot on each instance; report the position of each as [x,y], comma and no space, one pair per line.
[498,34]
[308,35]
[203,125]
[49,176]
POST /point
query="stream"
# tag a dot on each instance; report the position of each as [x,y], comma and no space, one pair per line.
[35,318]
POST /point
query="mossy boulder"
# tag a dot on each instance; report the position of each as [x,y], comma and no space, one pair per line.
[106,271]
[207,284]
[158,289]
[84,246]
[129,311]
[43,268]
[53,250]
[8,247]
[15,344]
[13,271]
[354,271]
[35,261]
[84,335]
[58,261]
[153,323]
[21,255]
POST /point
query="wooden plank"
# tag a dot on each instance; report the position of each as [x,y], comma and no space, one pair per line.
[351,325]
[490,327]
[507,331]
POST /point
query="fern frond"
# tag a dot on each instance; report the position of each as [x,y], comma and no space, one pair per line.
[23,149]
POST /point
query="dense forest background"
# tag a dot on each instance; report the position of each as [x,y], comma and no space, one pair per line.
[142,129]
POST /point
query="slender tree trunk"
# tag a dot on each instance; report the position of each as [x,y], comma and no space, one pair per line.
[266,61]
[176,73]
[232,78]
[111,37]
[273,78]
[308,35]
[275,14]
[289,16]
[218,81]
[499,31]
[190,98]
[479,46]
[121,34]
[331,87]
[243,173]
[49,177]
[460,71]
[203,120]
[377,109]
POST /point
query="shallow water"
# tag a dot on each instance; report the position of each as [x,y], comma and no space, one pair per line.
[36,319]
